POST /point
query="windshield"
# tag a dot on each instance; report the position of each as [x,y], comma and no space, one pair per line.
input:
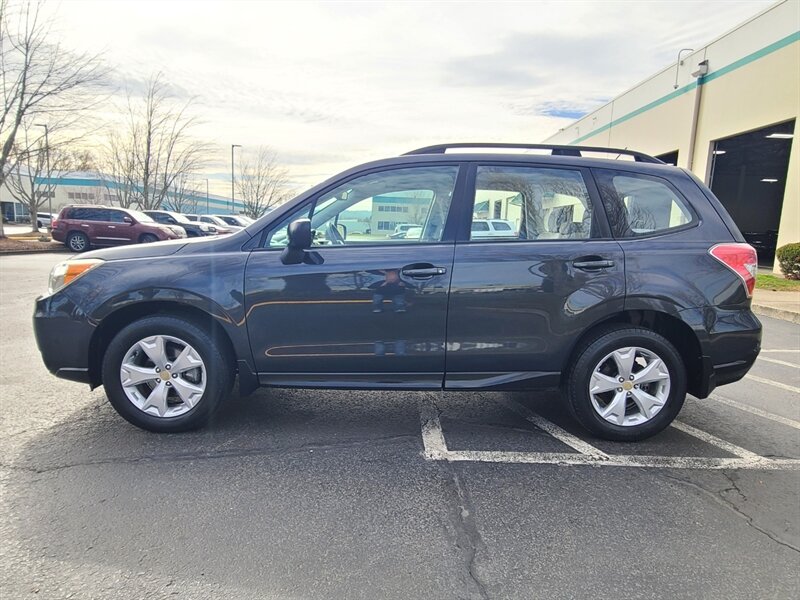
[179,217]
[141,217]
[215,220]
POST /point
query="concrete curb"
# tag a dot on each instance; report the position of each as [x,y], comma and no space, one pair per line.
[46,251]
[776,313]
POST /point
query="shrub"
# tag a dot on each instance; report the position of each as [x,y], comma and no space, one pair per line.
[789,260]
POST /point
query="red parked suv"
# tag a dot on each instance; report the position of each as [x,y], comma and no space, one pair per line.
[80,227]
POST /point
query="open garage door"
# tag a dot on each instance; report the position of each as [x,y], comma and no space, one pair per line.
[748,175]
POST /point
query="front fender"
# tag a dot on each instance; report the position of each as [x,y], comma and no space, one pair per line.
[212,283]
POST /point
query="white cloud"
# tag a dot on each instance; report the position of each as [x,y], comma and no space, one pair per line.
[332,84]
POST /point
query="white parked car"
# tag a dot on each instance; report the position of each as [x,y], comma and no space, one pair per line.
[235,220]
[401,230]
[492,228]
[43,219]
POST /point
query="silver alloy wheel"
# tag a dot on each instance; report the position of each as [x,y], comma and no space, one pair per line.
[629,386]
[77,242]
[163,376]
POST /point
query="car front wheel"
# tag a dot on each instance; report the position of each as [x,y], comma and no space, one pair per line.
[626,383]
[78,242]
[166,374]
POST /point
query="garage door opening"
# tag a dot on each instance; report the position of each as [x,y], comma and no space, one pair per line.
[748,175]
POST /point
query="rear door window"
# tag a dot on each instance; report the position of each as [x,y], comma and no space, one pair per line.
[531,204]
[87,214]
[639,205]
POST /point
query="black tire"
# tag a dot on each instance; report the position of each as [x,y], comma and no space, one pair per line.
[592,351]
[38,224]
[147,238]
[219,373]
[78,242]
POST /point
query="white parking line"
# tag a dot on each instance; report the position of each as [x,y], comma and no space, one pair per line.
[622,460]
[715,441]
[755,411]
[561,435]
[776,384]
[780,351]
[436,449]
[432,435]
[775,361]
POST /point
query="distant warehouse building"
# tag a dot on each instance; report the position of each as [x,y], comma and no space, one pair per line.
[89,187]
[727,112]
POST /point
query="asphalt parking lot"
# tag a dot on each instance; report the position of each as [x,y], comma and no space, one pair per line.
[309,494]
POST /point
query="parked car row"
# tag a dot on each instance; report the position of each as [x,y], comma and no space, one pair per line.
[81,227]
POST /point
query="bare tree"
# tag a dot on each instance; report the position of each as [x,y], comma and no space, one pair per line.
[262,182]
[182,198]
[41,80]
[29,182]
[156,149]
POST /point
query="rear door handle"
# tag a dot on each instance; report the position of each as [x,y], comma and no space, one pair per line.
[423,272]
[591,265]
[84,225]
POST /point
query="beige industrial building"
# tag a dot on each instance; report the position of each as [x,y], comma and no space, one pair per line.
[727,112]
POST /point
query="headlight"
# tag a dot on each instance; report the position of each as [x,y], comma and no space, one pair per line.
[69,270]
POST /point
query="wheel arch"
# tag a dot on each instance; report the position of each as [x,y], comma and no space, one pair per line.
[666,324]
[117,320]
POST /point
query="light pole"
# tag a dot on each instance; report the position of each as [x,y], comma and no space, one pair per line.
[233,193]
[207,195]
[49,174]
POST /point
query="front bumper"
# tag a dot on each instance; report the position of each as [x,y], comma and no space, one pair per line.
[63,334]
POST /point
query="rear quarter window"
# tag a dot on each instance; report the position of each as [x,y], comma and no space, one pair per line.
[640,205]
[87,214]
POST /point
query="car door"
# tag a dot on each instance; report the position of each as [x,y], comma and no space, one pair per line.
[366,309]
[519,303]
[111,228]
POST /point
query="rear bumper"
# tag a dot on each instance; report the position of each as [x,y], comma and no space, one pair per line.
[730,342]
[63,333]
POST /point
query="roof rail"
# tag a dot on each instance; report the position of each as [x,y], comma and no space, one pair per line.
[556,150]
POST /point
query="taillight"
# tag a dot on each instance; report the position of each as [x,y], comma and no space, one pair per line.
[741,259]
[53,222]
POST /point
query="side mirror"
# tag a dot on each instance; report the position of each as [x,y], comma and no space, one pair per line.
[342,229]
[127,220]
[300,235]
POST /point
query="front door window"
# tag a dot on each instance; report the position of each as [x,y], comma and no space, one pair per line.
[401,206]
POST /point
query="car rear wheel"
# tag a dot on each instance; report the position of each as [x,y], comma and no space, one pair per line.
[77,241]
[166,374]
[148,238]
[626,383]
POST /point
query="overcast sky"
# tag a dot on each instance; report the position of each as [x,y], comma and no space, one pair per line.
[329,85]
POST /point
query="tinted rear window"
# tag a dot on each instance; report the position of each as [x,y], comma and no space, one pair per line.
[639,205]
[87,214]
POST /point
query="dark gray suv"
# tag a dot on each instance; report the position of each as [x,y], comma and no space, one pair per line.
[622,282]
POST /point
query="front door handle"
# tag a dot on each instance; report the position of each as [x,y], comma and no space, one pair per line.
[420,272]
[593,265]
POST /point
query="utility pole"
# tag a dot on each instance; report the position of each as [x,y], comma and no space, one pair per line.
[207,211]
[233,192]
[49,173]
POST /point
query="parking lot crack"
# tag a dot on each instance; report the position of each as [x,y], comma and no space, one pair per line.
[219,454]
[718,498]
[734,486]
[468,538]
